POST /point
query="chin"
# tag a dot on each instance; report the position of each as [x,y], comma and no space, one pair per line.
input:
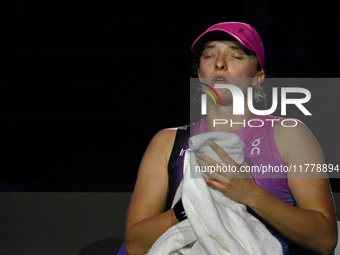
[225,94]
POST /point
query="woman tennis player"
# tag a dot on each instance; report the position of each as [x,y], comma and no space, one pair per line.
[297,211]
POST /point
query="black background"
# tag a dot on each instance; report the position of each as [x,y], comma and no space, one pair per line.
[86,85]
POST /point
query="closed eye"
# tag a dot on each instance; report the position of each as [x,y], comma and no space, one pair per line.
[208,56]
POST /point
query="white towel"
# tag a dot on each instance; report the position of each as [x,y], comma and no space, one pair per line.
[215,224]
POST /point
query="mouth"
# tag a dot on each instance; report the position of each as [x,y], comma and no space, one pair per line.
[219,80]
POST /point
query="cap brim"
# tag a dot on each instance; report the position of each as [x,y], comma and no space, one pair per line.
[215,35]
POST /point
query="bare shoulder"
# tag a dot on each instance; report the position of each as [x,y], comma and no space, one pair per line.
[294,140]
[167,134]
[158,151]
[163,142]
[291,128]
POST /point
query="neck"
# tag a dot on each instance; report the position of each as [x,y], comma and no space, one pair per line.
[221,118]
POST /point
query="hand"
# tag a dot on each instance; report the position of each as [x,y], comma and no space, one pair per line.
[237,185]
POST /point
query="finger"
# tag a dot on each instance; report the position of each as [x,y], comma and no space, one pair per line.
[222,153]
[216,185]
[209,170]
[245,174]
[245,164]
[213,168]
[206,158]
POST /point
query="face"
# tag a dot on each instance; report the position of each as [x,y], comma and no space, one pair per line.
[225,62]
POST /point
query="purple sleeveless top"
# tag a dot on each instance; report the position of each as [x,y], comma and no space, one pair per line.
[260,150]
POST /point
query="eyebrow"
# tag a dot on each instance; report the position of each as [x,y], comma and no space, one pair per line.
[209,47]
[234,47]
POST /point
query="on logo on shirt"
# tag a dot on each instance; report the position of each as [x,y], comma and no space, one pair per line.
[255,145]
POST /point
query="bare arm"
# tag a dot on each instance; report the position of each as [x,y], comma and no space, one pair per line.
[146,219]
[311,225]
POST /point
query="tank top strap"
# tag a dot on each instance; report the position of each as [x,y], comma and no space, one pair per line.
[175,165]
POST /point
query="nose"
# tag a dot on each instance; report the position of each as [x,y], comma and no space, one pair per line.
[220,63]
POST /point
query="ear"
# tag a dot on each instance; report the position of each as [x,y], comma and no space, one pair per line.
[199,73]
[259,78]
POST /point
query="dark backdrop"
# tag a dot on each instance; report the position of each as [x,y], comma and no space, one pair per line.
[86,85]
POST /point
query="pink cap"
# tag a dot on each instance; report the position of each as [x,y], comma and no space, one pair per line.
[242,32]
